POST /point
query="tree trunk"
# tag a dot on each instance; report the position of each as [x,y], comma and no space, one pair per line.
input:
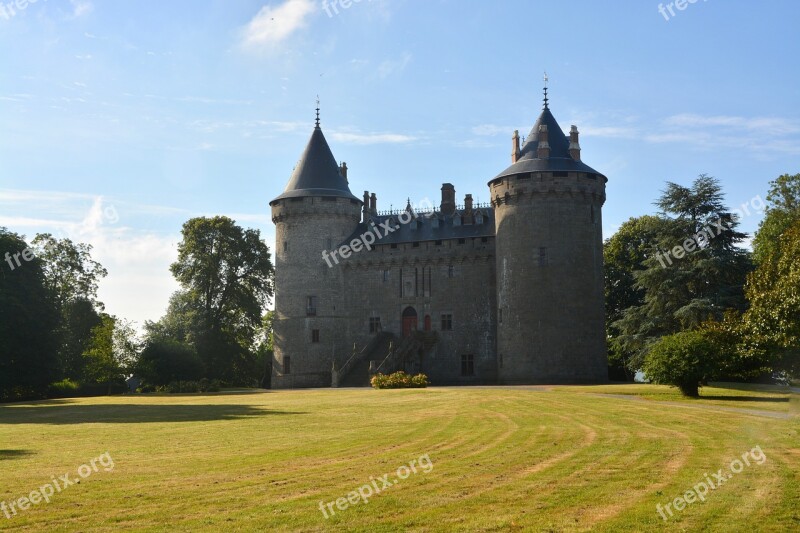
[691,390]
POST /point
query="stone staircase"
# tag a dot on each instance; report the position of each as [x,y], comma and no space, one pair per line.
[355,372]
[406,354]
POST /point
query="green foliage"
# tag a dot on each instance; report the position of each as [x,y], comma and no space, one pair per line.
[226,275]
[28,319]
[164,360]
[624,255]
[783,210]
[773,320]
[684,360]
[399,380]
[70,271]
[66,388]
[682,293]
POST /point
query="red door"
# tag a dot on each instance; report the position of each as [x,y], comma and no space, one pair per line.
[427,322]
[409,321]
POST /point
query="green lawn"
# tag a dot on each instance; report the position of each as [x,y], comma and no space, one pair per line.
[504,459]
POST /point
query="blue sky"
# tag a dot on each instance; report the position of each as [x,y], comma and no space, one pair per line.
[121,120]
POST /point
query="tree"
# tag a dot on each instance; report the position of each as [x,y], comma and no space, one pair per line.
[70,271]
[101,366]
[265,349]
[773,320]
[79,318]
[685,360]
[73,277]
[163,361]
[112,352]
[227,276]
[28,319]
[624,254]
[694,272]
[783,210]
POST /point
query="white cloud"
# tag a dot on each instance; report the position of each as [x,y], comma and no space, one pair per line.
[372,138]
[273,25]
[81,8]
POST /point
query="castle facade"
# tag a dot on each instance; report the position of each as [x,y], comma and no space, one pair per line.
[510,292]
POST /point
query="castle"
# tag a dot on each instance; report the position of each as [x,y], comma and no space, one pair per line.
[510,292]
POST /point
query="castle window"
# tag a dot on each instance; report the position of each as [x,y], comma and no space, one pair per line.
[435,222]
[287,364]
[311,306]
[394,247]
[462,241]
[328,198]
[314,335]
[447,322]
[385,275]
[542,256]
[560,174]
[415,245]
[500,315]
[438,243]
[374,324]
[285,246]
[467,365]
[484,239]
[479,218]
[451,271]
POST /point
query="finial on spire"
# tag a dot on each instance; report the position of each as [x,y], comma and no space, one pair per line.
[546,79]
[318,111]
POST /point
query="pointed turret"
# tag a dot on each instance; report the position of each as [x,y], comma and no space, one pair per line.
[317,173]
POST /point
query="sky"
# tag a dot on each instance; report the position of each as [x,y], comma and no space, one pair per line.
[119,121]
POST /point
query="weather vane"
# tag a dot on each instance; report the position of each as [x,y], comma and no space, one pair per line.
[318,111]
[546,79]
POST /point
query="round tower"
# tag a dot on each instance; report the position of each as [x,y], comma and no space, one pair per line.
[315,214]
[549,243]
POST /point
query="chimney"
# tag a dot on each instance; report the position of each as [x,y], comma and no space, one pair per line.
[448,206]
[515,147]
[343,170]
[574,145]
[468,204]
[544,146]
[373,204]
[365,208]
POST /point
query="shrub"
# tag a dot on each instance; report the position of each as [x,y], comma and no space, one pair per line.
[65,388]
[399,380]
[685,360]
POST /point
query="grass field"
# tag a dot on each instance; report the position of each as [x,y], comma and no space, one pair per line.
[503,459]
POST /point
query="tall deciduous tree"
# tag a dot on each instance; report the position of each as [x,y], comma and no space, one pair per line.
[28,319]
[73,277]
[227,275]
[624,254]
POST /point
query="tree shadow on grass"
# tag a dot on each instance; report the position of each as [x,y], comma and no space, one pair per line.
[744,398]
[129,413]
[13,454]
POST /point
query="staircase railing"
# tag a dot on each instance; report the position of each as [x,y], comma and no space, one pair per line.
[358,355]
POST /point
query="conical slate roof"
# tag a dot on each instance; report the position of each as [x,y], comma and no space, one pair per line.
[559,159]
[317,173]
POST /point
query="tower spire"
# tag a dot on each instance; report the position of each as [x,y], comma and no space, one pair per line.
[546,79]
[317,123]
